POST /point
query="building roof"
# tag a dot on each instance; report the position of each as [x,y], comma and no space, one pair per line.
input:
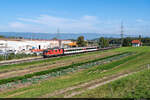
[72,44]
[136,42]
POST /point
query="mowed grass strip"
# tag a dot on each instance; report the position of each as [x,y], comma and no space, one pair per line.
[65,81]
[133,49]
[13,79]
[132,86]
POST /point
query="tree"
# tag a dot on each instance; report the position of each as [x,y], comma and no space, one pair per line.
[126,42]
[103,42]
[81,42]
[2,36]
[54,38]
[140,37]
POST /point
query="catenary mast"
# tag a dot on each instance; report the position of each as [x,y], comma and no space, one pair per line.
[122,33]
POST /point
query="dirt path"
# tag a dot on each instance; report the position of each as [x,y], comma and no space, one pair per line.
[72,91]
[60,63]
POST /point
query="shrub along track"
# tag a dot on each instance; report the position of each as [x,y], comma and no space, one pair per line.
[51,64]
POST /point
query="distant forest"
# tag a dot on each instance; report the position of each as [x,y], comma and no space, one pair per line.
[117,41]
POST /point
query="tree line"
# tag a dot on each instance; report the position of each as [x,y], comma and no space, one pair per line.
[105,42]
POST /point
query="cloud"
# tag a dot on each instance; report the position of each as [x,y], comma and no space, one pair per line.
[139,20]
[17,25]
[83,24]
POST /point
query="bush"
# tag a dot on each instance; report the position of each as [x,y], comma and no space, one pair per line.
[146,44]
[16,56]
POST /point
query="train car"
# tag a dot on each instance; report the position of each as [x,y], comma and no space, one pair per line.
[60,51]
[79,50]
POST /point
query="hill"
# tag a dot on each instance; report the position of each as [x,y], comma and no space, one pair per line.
[88,36]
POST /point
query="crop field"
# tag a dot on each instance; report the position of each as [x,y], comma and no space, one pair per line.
[121,72]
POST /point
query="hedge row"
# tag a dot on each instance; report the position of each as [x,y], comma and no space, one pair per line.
[15,56]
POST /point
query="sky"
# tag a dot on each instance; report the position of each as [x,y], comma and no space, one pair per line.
[75,16]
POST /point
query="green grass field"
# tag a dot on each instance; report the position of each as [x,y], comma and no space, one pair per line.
[133,86]
[128,64]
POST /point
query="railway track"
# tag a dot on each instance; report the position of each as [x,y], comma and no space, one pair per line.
[18,61]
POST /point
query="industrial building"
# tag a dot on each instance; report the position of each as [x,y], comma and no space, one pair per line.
[27,45]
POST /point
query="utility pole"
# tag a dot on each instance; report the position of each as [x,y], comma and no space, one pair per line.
[31,36]
[58,32]
[122,31]
[5,49]
[58,37]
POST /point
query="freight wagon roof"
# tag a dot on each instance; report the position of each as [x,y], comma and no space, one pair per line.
[79,48]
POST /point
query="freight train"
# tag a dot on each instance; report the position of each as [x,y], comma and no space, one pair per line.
[60,51]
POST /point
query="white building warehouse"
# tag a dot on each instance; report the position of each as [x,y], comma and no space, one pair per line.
[26,45]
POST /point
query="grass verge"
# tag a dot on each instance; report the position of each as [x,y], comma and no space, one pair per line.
[132,86]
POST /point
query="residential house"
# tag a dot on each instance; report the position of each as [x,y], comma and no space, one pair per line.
[136,43]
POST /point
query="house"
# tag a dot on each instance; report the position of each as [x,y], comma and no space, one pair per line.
[136,43]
